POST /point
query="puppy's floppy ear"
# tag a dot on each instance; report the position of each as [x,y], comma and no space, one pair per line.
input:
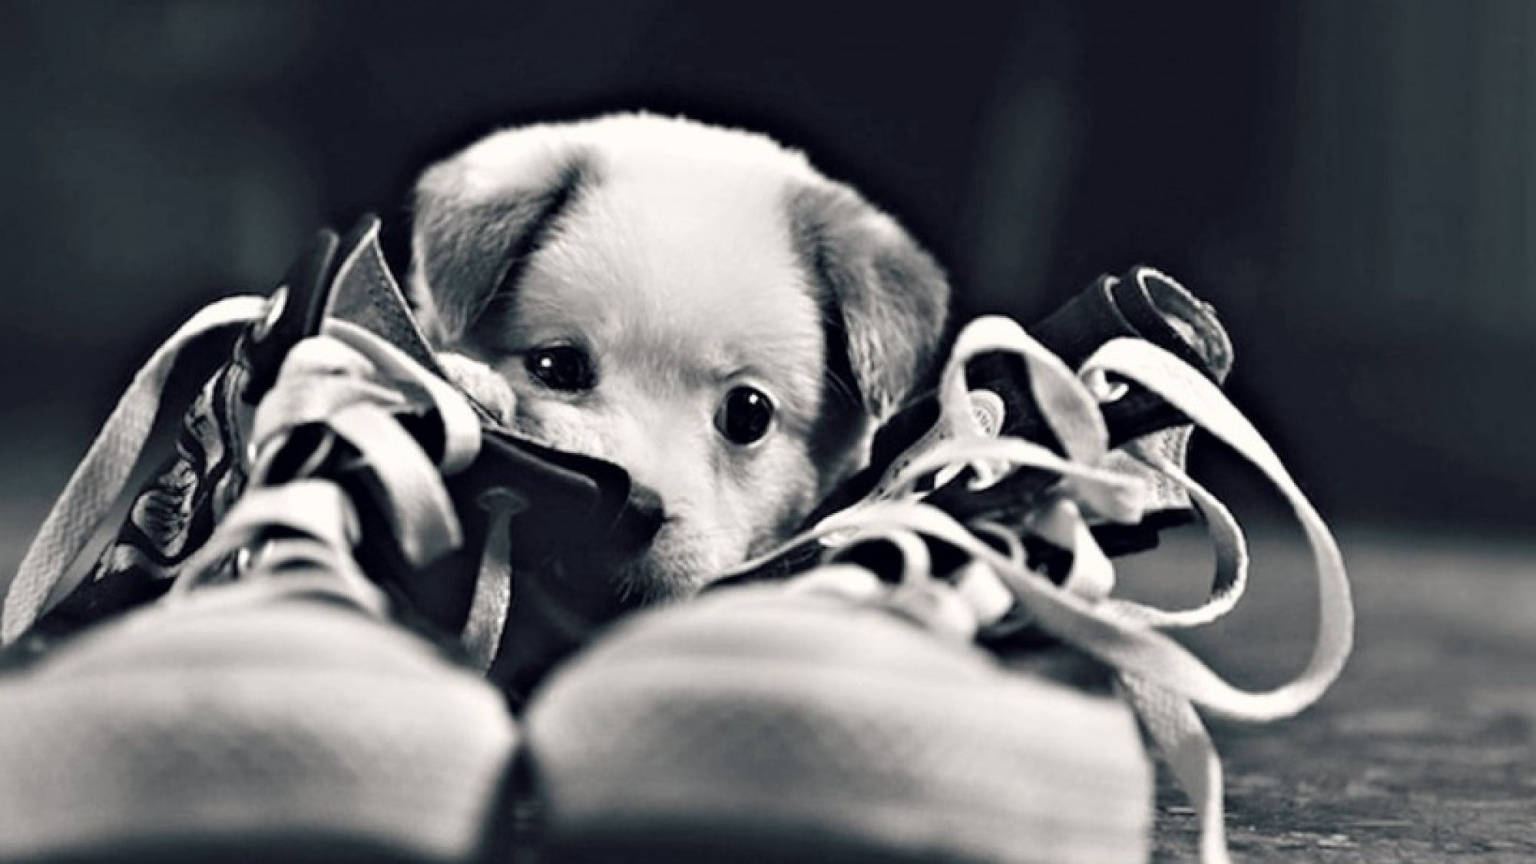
[476,223]
[886,297]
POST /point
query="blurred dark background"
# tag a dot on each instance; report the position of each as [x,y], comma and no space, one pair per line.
[1348,182]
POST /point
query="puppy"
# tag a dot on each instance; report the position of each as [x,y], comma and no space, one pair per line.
[693,303]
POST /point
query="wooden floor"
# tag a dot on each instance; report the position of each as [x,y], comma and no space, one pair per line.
[1424,751]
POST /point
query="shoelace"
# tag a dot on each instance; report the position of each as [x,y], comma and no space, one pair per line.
[1161,680]
[347,381]
[98,481]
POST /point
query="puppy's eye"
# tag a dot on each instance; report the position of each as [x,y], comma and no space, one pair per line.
[561,367]
[745,416]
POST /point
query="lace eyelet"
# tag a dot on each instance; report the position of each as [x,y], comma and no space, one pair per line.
[989,412]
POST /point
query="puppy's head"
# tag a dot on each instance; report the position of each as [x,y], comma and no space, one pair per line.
[695,304]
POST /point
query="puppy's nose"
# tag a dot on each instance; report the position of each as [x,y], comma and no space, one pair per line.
[641,518]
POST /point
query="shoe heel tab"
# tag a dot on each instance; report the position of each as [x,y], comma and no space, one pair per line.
[1169,316]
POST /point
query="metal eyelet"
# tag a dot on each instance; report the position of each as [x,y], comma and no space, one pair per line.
[989,412]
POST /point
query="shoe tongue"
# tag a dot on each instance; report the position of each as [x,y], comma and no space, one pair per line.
[366,293]
[570,521]
[575,502]
[575,524]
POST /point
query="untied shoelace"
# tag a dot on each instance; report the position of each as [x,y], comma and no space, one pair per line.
[331,382]
[347,380]
[1161,680]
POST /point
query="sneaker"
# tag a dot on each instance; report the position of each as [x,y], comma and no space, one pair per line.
[302,643]
[999,387]
[570,514]
[943,685]
[281,715]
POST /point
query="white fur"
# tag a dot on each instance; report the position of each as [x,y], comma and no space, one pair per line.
[675,263]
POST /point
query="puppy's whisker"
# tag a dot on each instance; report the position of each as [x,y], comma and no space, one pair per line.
[839,385]
[842,388]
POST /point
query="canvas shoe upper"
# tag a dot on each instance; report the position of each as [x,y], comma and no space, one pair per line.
[284,651]
[365,385]
[1000,388]
[897,701]
[268,705]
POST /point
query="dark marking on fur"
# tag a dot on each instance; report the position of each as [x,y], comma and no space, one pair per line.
[843,420]
[472,255]
[884,299]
